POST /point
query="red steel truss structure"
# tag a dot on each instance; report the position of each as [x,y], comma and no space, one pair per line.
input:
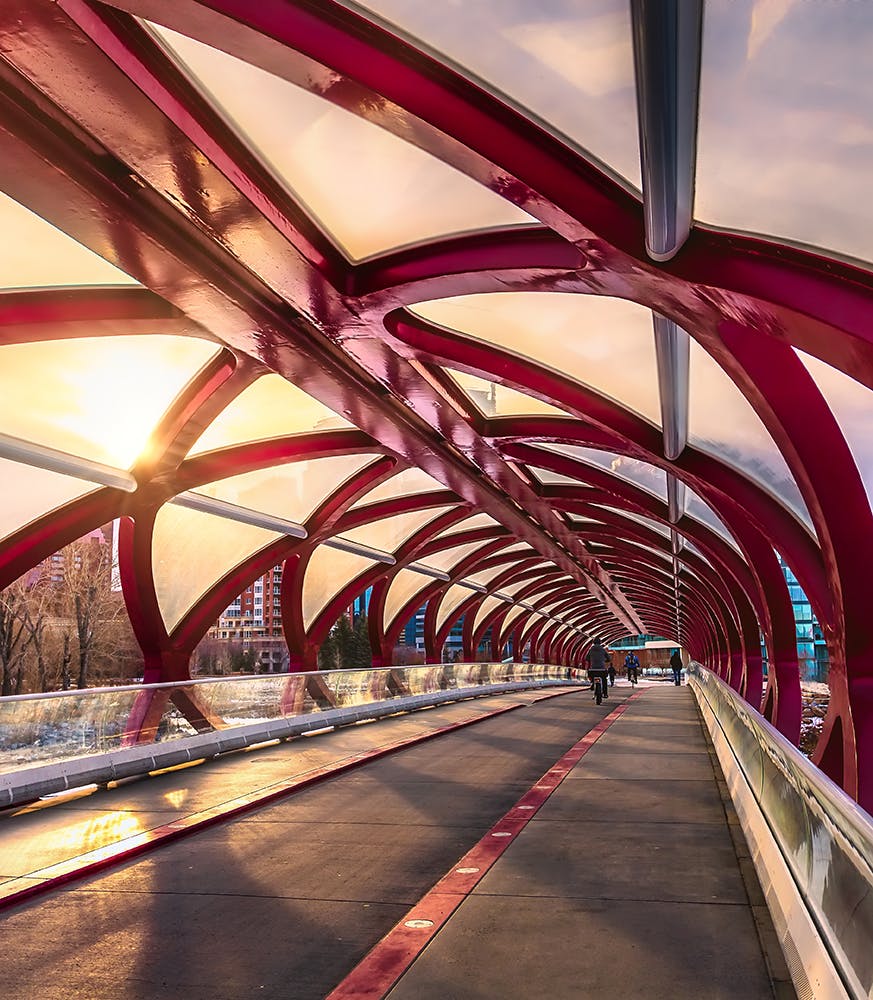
[355,288]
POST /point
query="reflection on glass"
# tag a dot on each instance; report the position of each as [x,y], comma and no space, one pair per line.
[371,190]
[34,254]
[270,407]
[604,343]
[785,143]
[723,423]
[29,493]
[96,397]
[571,64]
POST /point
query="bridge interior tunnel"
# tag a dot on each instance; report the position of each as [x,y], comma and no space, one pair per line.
[332,288]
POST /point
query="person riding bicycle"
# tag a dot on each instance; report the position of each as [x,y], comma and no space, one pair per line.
[598,662]
[631,666]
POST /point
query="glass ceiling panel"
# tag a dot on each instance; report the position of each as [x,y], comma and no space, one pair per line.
[408,483]
[571,64]
[786,120]
[605,343]
[469,524]
[98,397]
[656,526]
[329,570]
[723,423]
[494,400]
[852,405]
[641,474]
[28,493]
[549,478]
[454,596]
[522,547]
[485,608]
[391,532]
[401,589]
[291,491]
[369,189]
[34,254]
[485,576]
[449,558]
[511,589]
[512,614]
[271,407]
[697,508]
[191,551]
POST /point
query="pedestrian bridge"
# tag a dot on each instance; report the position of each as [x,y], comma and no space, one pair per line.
[493,832]
[531,324]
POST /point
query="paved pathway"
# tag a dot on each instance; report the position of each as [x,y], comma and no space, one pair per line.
[625,883]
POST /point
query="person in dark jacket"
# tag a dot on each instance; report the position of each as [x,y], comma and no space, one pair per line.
[632,665]
[598,660]
[676,666]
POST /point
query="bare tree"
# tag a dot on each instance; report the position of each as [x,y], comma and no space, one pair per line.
[14,637]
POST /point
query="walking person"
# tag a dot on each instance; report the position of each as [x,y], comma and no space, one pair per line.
[676,666]
[611,671]
[631,666]
[598,660]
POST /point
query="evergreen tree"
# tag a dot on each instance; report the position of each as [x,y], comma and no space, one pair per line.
[363,654]
[344,637]
[327,652]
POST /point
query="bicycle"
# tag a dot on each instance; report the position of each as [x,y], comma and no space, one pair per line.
[597,686]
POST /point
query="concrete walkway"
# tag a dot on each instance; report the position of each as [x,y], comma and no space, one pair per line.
[628,882]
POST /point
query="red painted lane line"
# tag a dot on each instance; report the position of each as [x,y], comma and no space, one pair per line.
[44,880]
[379,970]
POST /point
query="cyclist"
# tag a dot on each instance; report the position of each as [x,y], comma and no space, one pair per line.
[598,660]
[631,666]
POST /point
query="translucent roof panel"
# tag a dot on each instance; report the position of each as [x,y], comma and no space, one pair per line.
[449,558]
[604,343]
[494,400]
[648,477]
[469,524]
[786,119]
[369,189]
[34,254]
[402,588]
[511,589]
[391,532]
[698,509]
[452,599]
[549,478]
[571,64]
[723,423]
[98,398]
[270,407]
[28,493]
[329,570]
[485,576]
[656,526]
[407,483]
[511,616]
[191,551]
[291,491]
[485,609]
[852,405]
